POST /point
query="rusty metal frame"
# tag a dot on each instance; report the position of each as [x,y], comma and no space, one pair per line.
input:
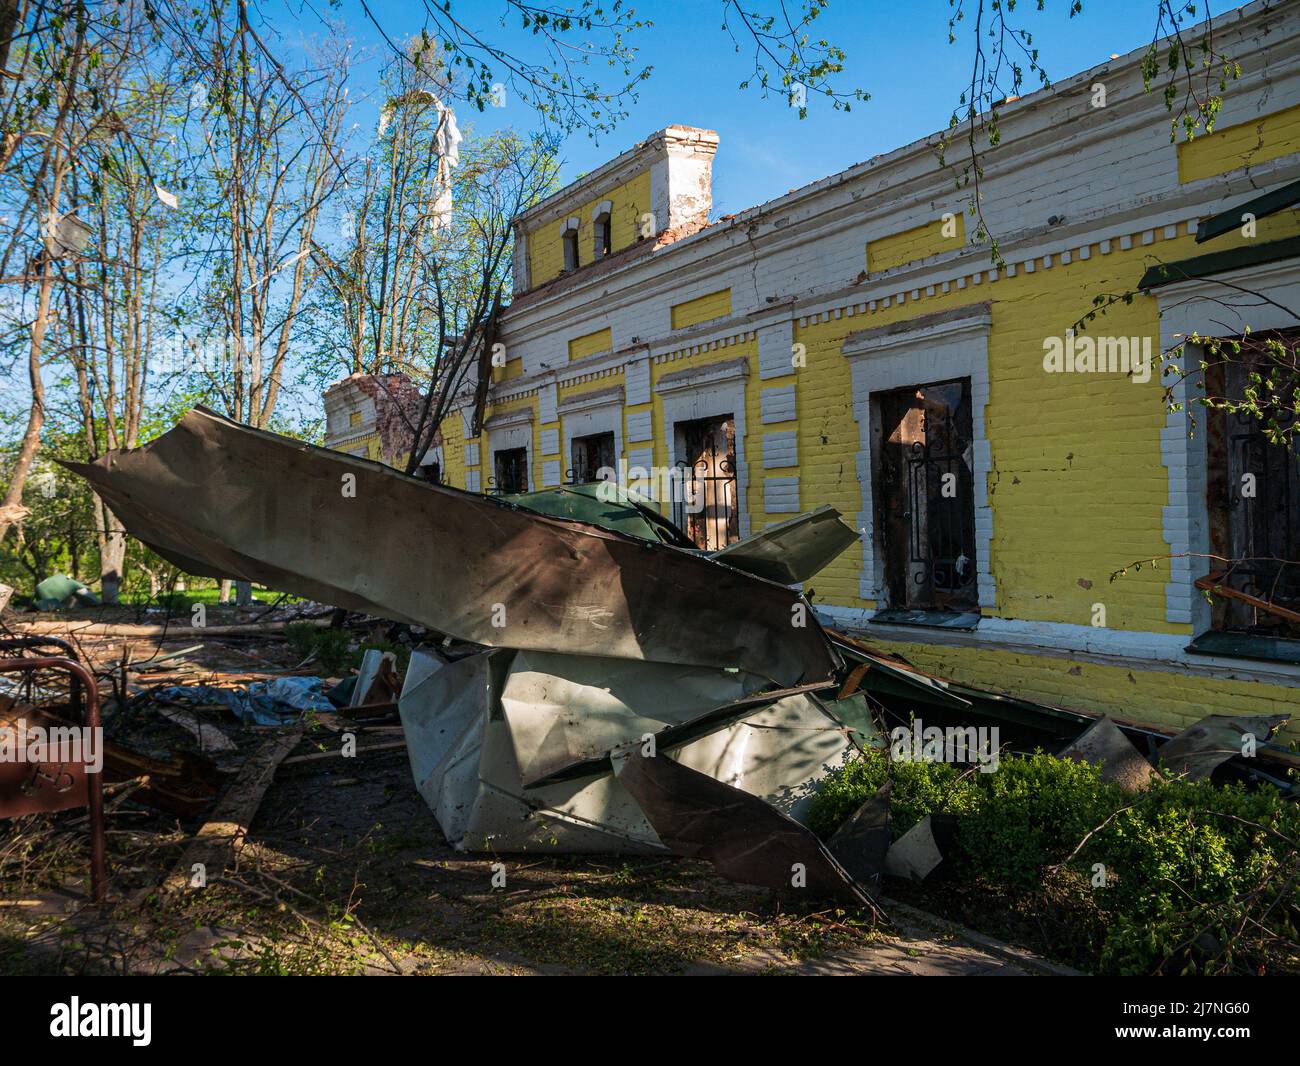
[79,678]
[9,644]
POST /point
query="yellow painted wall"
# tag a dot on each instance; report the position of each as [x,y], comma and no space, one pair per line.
[752,447]
[370,442]
[602,340]
[486,465]
[1154,697]
[546,249]
[919,242]
[514,368]
[605,381]
[1077,486]
[1245,144]
[453,451]
[701,309]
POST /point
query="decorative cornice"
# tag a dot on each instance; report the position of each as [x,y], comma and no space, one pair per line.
[585,401]
[959,323]
[700,376]
[508,419]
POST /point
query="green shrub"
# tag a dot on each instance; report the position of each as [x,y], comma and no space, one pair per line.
[1186,877]
[1033,811]
[332,648]
[919,789]
[1196,863]
[329,645]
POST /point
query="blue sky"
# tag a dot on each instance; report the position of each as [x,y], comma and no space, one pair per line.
[896,51]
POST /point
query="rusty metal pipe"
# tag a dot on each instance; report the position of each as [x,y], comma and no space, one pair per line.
[94,782]
[65,646]
[22,643]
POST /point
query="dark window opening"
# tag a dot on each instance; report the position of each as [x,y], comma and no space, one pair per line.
[429,472]
[590,455]
[1253,490]
[511,466]
[571,249]
[603,242]
[925,498]
[705,500]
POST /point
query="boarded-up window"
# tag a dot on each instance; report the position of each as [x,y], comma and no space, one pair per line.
[925,506]
[705,501]
[1253,488]
[591,454]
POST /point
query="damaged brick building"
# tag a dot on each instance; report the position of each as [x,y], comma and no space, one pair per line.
[850,343]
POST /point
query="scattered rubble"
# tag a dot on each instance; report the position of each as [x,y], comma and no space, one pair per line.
[589,683]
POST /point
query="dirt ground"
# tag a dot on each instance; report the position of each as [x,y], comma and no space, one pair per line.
[345,871]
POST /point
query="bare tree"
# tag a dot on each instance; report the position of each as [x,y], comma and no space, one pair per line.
[60,115]
[500,177]
[114,307]
[272,144]
[379,283]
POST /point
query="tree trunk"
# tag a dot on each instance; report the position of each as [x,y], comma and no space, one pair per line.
[223,595]
[112,557]
[11,510]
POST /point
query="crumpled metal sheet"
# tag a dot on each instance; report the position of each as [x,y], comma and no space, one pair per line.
[463,761]
[1202,748]
[794,550]
[225,500]
[1103,744]
[743,838]
[861,844]
[922,849]
[472,731]
[566,710]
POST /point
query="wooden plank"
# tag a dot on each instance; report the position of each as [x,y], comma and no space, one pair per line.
[210,738]
[222,835]
[124,629]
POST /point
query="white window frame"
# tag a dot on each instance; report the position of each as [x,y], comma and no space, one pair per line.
[512,430]
[588,413]
[930,349]
[601,214]
[711,391]
[1206,307]
[569,239]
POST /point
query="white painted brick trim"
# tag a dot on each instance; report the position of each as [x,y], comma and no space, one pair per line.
[781,495]
[777,404]
[914,353]
[780,449]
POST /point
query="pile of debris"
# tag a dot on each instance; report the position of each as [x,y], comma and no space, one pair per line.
[591,683]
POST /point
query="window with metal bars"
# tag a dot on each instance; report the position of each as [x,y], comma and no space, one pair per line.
[1253,485]
[924,498]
